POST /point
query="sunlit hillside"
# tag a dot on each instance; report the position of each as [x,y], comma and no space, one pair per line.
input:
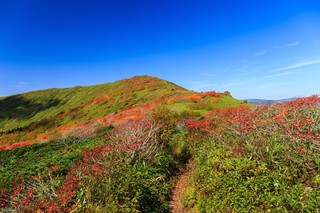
[122,147]
[44,115]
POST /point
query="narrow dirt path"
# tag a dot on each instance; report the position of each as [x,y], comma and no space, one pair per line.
[176,203]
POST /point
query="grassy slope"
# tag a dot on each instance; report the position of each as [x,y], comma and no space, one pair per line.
[21,110]
[247,159]
[27,116]
[259,159]
[45,169]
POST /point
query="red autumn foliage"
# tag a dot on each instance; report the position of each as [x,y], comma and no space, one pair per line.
[199,125]
[68,189]
[13,146]
[290,120]
[134,133]
[194,97]
[213,94]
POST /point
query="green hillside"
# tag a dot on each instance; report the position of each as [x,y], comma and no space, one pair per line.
[21,110]
[27,116]
[91,121]
[122,146]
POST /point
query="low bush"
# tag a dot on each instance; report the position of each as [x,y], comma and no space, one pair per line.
[257,159]
[128,168]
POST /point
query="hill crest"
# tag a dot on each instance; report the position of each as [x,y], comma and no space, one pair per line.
[39,116]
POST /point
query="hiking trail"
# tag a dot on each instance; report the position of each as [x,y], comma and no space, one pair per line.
[182,182]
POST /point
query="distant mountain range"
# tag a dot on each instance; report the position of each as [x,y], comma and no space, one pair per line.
[269,102]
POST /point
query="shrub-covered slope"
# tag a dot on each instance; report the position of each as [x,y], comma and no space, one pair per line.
[258,159]
[80,103]
[109,148]
[44,115]
[118,147]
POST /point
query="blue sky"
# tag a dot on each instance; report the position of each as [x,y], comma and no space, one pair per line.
[254,49]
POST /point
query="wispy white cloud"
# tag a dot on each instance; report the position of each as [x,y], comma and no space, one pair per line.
[197,82]
[208,74]
[272,85]
[241,69]
[281,74]
[247,73]
[260,53]
[293,44]
[235,83]
[201,85]
[22,83]
[296,65]
[237,70]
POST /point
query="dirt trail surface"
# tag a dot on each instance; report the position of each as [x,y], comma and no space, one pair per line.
[176,203]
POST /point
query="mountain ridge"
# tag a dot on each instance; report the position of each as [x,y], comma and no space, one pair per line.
[269,101]
[119,147]
[55,109]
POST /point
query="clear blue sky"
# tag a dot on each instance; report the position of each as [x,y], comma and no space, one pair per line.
[254,49]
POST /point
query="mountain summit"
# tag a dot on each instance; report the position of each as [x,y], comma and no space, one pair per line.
[40,115]
[118,147]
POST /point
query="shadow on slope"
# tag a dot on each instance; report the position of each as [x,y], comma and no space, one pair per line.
[18,107]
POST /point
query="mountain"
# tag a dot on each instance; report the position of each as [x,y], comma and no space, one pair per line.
[85,102]
[100,148]
[269,102]
[44,115]
[123,147]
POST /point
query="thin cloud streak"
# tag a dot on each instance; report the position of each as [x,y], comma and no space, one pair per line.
[271,85]
[296,65]
[293,44]
[281,74]
[208,74]
[200,85]
[235,84]
[260,53]
[22,83]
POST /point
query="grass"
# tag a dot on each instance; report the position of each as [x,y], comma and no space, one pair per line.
[227,102]
[28,161]
[26,116]
[247,158]
[258,159]
[22,110]
[97,173]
